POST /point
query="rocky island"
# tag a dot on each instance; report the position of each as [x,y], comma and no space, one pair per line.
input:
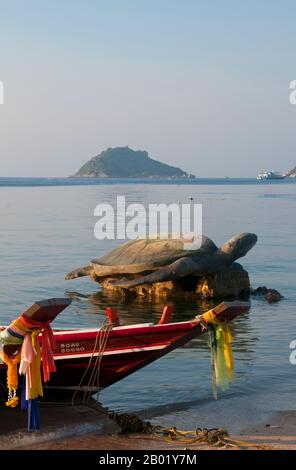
[123,162]
[291,173]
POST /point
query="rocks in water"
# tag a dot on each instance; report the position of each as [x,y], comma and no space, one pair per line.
[231,281]
[271,295]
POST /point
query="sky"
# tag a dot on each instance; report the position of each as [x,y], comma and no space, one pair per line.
[200,85]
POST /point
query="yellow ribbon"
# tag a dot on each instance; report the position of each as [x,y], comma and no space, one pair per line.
[221,349]
[12,378]
[33,375]
[210,317]
[222,358]
[35,386]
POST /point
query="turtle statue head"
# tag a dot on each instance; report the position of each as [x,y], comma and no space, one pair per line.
[239,245]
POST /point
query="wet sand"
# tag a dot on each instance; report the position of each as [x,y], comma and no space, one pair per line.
[57,423]
[279,432]
[65,428]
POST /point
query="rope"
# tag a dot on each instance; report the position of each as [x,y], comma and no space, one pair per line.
[131,423]
[217,437]
[214,436]
[94,379]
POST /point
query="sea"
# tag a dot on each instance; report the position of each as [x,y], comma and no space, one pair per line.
[47,229]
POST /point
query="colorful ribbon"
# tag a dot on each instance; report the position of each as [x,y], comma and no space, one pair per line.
[48,343]
[12,378]
[26,330]
[220,338]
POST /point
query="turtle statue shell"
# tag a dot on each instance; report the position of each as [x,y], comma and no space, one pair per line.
[141,255]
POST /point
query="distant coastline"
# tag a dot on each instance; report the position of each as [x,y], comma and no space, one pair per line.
[66,181]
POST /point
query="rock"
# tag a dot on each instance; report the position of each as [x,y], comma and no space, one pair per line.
[231,281]
[271,295]
[291,173]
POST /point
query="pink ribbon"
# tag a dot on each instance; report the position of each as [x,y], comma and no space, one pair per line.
[48,344]
[27,355]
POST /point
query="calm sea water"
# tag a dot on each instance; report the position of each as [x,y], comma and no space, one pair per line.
[47,230]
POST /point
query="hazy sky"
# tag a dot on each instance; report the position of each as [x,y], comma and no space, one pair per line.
[199,84]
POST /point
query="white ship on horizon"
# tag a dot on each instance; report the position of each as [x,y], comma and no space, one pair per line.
[270,175]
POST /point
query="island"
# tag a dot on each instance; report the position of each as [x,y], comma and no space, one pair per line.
[291,173]
[124,162]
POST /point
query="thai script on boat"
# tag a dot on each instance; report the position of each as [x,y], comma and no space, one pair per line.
[292,96]
[135,221]
[293,352]
[1,92]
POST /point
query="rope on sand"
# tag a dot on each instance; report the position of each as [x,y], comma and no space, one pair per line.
[217,437]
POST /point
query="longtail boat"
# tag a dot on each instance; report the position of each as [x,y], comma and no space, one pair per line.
[93,359]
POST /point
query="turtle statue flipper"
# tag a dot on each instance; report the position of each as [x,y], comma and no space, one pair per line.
[79,272]
[180,268]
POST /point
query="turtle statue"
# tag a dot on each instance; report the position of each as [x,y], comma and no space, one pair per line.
[140,265]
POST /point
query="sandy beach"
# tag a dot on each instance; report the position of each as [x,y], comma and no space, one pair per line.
[65,427]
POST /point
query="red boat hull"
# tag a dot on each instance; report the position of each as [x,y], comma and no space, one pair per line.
[126,351]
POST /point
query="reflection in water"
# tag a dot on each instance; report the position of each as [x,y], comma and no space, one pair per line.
[136,309]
